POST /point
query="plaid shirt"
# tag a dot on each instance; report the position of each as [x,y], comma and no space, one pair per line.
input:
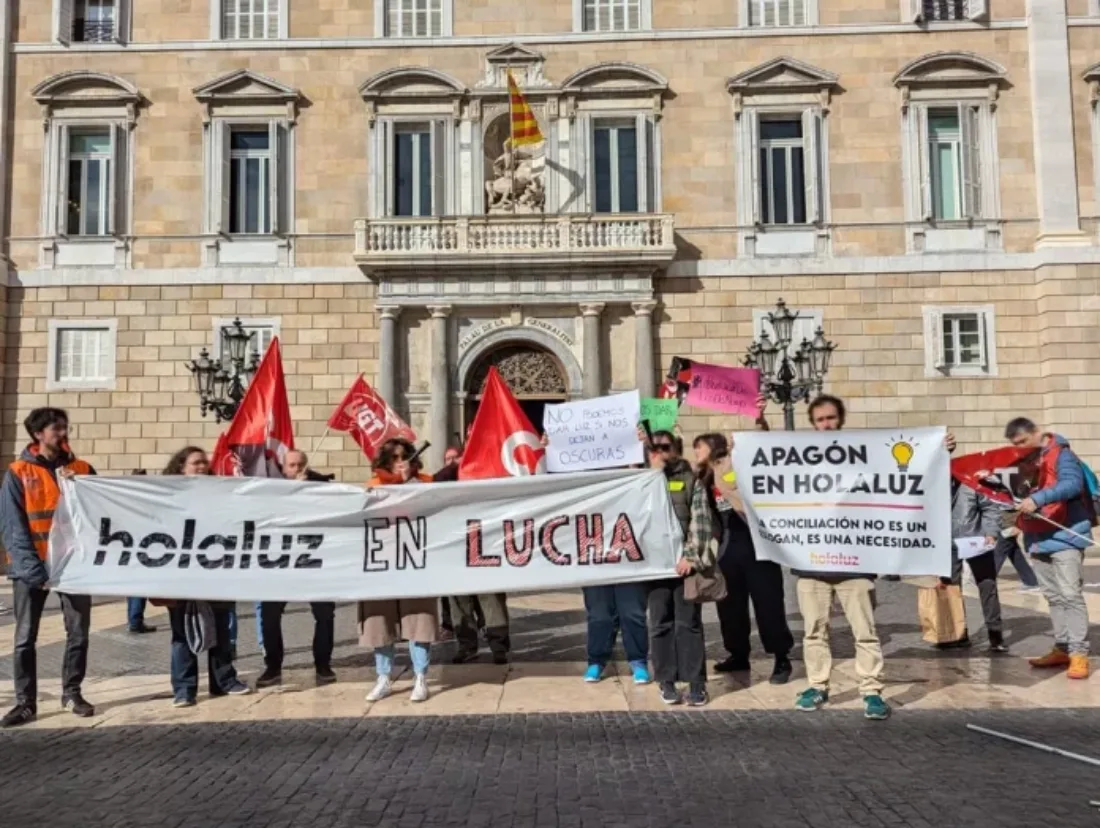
[700,546]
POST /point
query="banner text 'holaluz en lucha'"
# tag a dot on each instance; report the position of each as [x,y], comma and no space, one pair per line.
[876,501]
[246,539]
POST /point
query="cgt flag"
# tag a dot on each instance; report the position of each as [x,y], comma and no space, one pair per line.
[261,432]
[368,419]
[501,441]
[677,381]
[1003,474]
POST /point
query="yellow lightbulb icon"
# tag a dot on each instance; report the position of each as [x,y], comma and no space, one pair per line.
[903,453]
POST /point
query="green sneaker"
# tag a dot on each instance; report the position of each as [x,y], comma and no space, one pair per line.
[875,708]
[811,699]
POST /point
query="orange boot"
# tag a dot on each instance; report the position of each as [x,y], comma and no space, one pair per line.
[1055,658]
[1078,667]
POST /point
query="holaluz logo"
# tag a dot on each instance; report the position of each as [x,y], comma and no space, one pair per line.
[212,552]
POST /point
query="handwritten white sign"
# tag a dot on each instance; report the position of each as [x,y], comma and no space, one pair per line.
[599,433]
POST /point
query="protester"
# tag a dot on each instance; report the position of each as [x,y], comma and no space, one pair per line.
[28,499]
[975,515]
[452,456]
[677,645]
[746,577]
[135,607]
[383,623]
[296,467]
[855,592]
[1056,520]
[208,621]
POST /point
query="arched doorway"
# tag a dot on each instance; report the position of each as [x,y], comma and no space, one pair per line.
[534,375]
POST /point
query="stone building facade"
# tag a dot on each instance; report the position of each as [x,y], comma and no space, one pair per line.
[333,176]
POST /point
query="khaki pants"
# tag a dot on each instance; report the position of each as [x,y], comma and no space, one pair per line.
[856,596]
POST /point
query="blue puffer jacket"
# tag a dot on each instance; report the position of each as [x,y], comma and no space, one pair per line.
[1067,488]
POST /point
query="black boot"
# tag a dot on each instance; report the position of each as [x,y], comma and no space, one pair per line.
[997,642]
[781,673]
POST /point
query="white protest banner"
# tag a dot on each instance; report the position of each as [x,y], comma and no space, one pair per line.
[876,501]
[254,539]
[598,433]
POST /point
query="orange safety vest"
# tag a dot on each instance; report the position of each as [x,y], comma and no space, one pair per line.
[40,496]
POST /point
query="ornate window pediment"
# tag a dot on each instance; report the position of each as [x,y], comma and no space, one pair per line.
[412,85]
[245,88]
[525,64]
[782,76]
[81,89]
[941,71]
[615,78]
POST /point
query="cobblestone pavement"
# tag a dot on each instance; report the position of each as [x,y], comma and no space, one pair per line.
[775,769]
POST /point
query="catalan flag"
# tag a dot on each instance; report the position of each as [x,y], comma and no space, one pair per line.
[525,129]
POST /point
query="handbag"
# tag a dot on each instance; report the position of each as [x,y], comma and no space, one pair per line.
[942,614]
[707,585]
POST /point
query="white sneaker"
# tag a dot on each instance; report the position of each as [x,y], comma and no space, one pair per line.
[420,689]
[382,688]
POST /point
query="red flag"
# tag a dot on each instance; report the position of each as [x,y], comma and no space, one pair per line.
[677,381]
[261,432]
[368,419]
[501,442]
[1001,474]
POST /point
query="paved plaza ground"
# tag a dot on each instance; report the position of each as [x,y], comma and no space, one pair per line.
[531,745]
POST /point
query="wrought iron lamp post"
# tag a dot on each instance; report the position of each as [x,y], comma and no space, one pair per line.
[221,384]
[789,374]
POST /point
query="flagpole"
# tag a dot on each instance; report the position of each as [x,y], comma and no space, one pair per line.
[319,440]
[512,139]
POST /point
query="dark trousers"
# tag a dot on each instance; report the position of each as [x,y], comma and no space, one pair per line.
[493,609]
[612,607]
[676,643]
[1009,549]
[135,612]
[984,568]
[324,633]
[77,612]
[762,583]
[185,664]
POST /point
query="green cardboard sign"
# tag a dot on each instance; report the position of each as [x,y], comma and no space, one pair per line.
[661,414]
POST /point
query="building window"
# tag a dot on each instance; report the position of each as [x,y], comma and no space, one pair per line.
[249,178]
[412,163]
[91,21]
[789,168]
[265,330]
[954,163]
[89,184]
[414,18]
[81,354]
[940,11]
[777,12]
[959,341]
[252,19]
[612,15]
[622,168]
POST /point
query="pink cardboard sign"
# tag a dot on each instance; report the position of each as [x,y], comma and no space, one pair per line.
[722,388]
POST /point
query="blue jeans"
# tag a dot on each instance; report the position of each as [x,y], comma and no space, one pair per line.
[135,612]
[420,653]
[259,624]
[233,626]
[603,604]
[221,674]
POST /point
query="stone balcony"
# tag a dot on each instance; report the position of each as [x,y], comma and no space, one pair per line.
[569,241]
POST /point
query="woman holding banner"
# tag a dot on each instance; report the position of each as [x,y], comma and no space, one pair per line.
[677,647]
[200,625]
[383,623]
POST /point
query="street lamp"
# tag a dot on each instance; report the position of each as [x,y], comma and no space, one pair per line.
[221,385]
[789,374]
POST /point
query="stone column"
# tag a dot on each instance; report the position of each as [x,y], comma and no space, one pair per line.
[386,381]
[1052,124]
[644,372]
[439,409]
[593,382]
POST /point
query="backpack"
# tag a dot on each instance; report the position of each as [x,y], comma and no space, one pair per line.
[1092,492]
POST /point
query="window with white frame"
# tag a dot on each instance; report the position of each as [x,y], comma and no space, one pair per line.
[263,331]
[414,18]
[91,21]
[959,341]
[88,189]
[623,156]
[251,19]
[81,354]
[249,177]
[776,12]
[939,11]
[788,167]
[612,15]
[412,176]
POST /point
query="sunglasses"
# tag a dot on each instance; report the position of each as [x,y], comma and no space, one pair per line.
[662,446]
